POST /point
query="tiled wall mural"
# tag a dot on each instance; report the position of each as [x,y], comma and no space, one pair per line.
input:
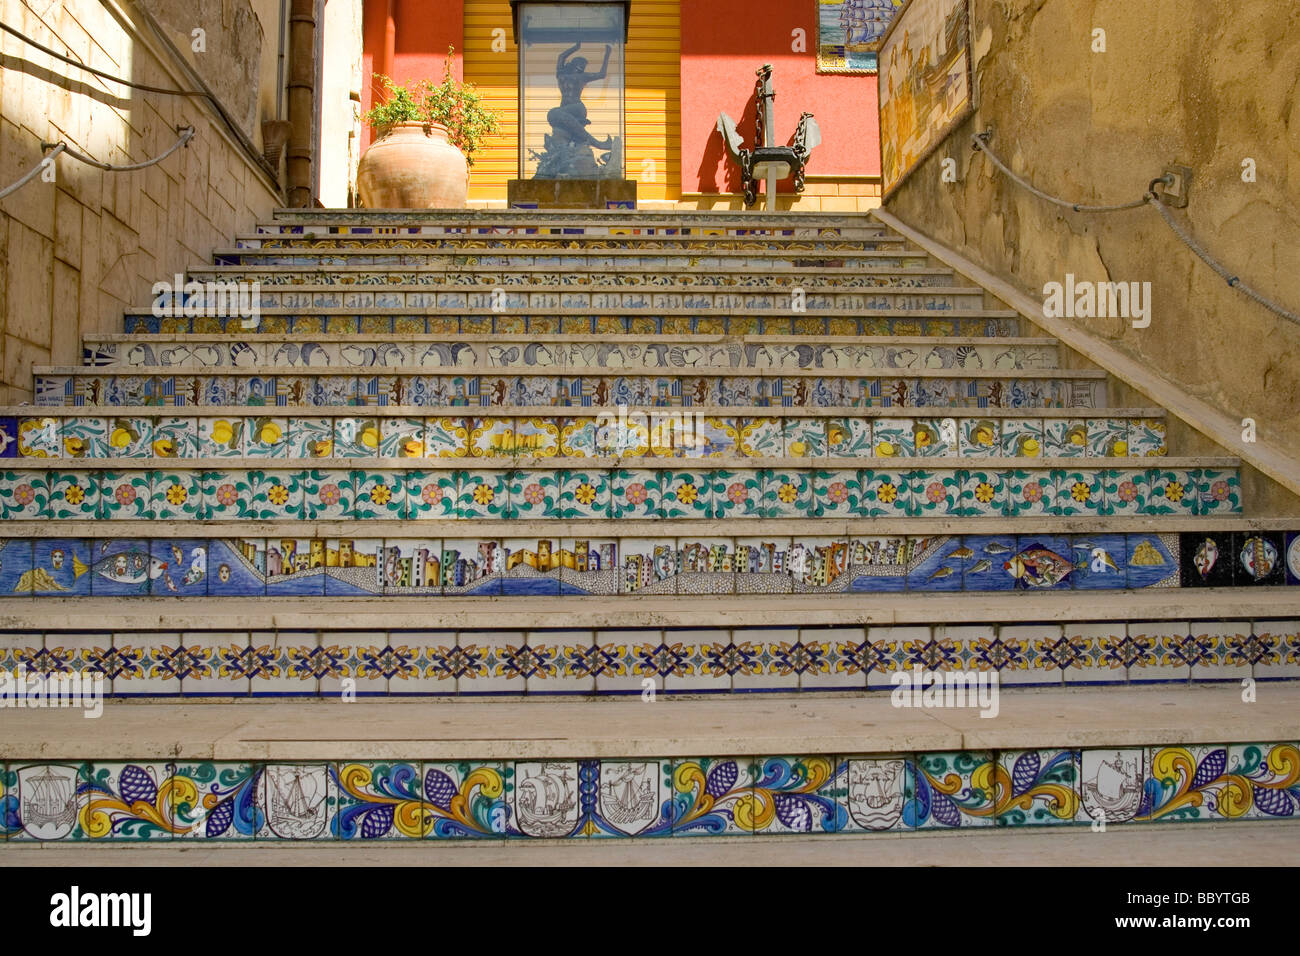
[412,663]
[706,796]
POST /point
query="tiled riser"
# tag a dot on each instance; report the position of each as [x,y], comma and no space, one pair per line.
[476,277]
[630,435]
[605,324]
[472,245]
[587,263]
[642,225]
[1067,390]
[682,354]
[700,661]
[518,299]
[290,565]
[240,494]
[901,793]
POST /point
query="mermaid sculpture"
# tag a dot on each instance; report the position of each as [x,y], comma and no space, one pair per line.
[570,148]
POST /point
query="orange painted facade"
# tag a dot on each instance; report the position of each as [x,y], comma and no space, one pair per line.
[686,61]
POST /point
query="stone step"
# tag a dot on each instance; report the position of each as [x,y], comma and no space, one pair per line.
[272,386]
[554,351]
[718,488]
[338,320]
[99,432]
[903,262]
[1117,639]
[399,772]
[515,238]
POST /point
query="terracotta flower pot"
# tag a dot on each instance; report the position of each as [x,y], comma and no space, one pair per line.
[413,166]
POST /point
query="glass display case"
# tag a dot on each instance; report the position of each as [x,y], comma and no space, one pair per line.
[571,60]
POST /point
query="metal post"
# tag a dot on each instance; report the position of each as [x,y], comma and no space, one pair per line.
[765,98]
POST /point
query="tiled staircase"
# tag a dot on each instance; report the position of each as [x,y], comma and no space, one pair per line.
[617,454]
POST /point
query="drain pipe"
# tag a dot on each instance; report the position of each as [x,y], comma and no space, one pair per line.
[302,98]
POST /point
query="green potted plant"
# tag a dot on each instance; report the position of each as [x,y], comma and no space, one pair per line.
[428,134]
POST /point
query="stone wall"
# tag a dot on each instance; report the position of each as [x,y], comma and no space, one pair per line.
[1205,83]
[76,252]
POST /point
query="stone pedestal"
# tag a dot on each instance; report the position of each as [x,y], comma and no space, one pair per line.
[571,193]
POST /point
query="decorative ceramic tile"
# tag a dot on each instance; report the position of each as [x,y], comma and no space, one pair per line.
[1081,492]
[707,566]
[1029,493]
[1100,561]
[1108,438]
[980,438]
[472,566]
[849,438]
[482,494]
[1156,652]
[938,564]
[583,494]
[1153,561]
[934,437]
[86,438]
[737,493]
[685,494]
[1207,559]
[634,493]
[295,801]
[379,495]
[805,438]
[836,494]
[786,493]
[885,493]
[376,801]
[446,438]
[356,437]
[1217,650]
[893,437]
[182,567]
[1172,492]
[126,801]
[431,494]
[1111,784]
[1219,492]
[947,794]
[760,565]
[713,796]
[295,566]
[1147,438]
[1037,787]
[24,495]
[650,566]
[935,492]
[1292,558]
[762,438]
[354,566]
[880,792]
[39,438]
[222,437]
[214,801]
[1126,492]
[1259,558]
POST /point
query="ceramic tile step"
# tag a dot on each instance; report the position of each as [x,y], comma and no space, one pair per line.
[425,773]
[629,296]
[632,257]
[226,660]
[451,563]
[593,242]
[711,488]
[826,322]
[561,351]
[610,222]
[273,387]
[97,432]
[661,278]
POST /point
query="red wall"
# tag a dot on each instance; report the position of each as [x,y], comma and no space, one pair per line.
[723,43]
[408,40]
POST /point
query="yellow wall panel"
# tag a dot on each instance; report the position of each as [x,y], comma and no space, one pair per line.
[653,97]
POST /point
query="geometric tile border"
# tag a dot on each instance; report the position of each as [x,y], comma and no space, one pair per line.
[429,663]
